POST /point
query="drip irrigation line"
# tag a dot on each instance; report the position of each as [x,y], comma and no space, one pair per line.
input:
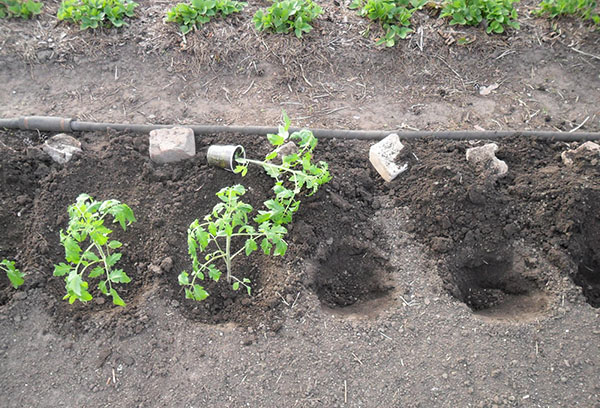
[58,124]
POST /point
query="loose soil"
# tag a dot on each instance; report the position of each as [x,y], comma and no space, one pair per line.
[442,288]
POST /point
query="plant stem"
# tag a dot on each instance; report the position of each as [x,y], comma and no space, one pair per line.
[263,163]
[228,257]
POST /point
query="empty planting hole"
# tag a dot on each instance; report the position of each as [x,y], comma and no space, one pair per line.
[586,247]
[350,276]
[498,286]
[588,277]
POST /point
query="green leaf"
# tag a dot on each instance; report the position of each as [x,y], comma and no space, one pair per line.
[184,278]
[61,269]
[119,276]
[266,246]
[114,244]
[199,293]
[116,298]
[102,287]
[236,285]
[250,246]
[90,256]
[97,271]
[113,259]
[276,140]
[14,275]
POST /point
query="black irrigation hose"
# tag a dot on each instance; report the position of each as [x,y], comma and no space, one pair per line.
[56,124]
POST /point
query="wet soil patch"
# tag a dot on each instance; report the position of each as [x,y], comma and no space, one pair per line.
[351,274]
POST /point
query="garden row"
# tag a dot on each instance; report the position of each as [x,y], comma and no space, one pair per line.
[213,242]
[287,16]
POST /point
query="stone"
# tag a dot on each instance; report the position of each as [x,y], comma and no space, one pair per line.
[167,264]
[286,149]
[383,156]
[172,145]
[155,269]
[484,160]
[62,147]
[587,147]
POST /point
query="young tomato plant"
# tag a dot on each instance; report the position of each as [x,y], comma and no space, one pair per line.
[192,15]
[19,8]
[498,14]
[585,9]
[229,221]
[288,15]
[86,226]
[394,15]
[96,13]
[15,276]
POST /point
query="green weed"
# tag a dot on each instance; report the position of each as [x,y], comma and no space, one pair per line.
[498,14]
[19,8]
[96,13]
[394,16]
[198,12]
[287,16]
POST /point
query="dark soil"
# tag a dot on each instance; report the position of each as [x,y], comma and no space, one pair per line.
[442,288]
[512,250]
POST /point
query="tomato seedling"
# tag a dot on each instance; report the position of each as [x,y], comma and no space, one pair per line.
[86,226]
[229,221]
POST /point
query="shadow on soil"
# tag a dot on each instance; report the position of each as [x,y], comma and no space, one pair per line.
[351,278]
[586,248]
[499,286]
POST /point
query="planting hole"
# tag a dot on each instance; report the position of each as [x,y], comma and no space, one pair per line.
[588,277]
[586,247]
[349,277]
[500,287]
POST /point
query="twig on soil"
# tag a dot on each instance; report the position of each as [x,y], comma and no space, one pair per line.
[505,53]
[579,126]
[248,89]
[451,69]
[584,53]
[357,359]
[283,300]
[294,303]
[114,378]
[386,336]
[411,303]
[345,392]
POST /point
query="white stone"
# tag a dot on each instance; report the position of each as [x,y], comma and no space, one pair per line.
[484,159]
[171,145]
[567,156]
[61,147]
[383,156]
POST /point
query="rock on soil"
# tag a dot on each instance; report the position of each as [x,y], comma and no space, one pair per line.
[383,156]
[62,147]
[591,148]
[172,145]
[484,159]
